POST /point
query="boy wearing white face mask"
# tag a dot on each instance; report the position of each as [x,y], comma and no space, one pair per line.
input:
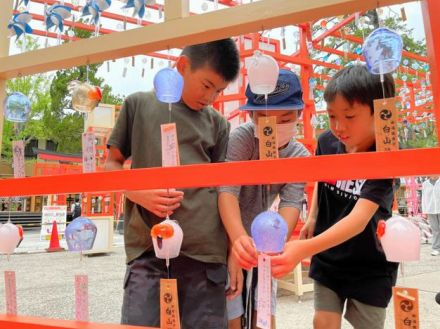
[238,205]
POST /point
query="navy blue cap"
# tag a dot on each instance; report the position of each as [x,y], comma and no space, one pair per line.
[286,96]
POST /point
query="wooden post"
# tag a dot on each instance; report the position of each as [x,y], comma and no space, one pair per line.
[175,9]
[5,16]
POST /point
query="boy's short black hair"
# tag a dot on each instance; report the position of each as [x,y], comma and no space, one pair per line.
[220,55]
[358,85]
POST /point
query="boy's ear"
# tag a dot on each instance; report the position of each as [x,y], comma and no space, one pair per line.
[182,64]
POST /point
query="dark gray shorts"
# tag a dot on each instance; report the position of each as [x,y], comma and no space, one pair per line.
[360,315]
[201,289]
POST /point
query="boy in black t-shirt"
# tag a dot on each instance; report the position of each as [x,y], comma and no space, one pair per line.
[349,266]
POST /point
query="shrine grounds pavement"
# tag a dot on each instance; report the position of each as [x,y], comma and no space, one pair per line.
[45,285]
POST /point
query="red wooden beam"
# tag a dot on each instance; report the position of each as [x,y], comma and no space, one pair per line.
[336,167]
[28,322]
[53,35]
[338,52]
[231,97]
[325,64]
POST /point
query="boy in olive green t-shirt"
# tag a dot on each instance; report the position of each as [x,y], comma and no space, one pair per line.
[202,133]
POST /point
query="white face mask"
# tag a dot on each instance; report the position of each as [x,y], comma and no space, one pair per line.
[285,132]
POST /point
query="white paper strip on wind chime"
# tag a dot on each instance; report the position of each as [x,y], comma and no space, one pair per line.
[264,292]
[88,152]
[170,146]
[81,297]
[10,293]
[18,158]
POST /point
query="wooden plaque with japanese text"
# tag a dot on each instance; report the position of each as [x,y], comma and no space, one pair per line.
[385,119]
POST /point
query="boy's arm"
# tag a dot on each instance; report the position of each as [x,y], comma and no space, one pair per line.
[346,228]
[291,198]
[115,160]
[290,215]
[160,201]
[235,276]
[241,244]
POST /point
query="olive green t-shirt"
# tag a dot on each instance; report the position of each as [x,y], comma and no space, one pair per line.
[202,137]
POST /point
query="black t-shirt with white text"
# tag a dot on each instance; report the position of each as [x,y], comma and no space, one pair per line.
[356,268]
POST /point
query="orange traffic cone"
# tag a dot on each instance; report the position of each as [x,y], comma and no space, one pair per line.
[54,244]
